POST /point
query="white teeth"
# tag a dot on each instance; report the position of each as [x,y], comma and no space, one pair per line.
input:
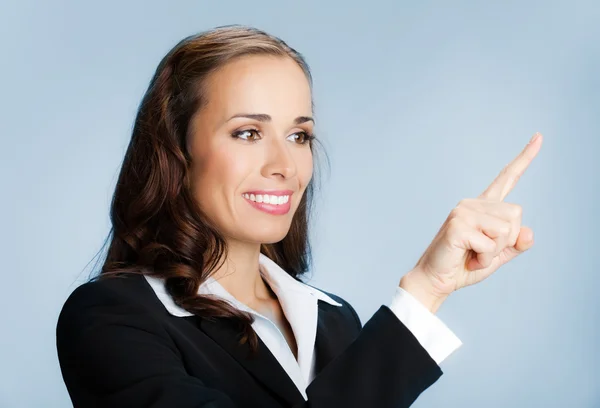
[268,199]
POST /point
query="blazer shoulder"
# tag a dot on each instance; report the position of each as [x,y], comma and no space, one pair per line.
[128,292]
[103,305]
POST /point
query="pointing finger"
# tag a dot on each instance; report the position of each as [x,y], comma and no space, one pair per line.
[511,173]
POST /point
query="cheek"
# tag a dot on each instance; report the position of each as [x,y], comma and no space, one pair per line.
[218,177]
[305,169]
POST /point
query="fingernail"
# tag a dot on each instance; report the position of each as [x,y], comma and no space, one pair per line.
[535,137]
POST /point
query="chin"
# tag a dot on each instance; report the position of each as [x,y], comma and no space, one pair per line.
[272,241]
[267,235]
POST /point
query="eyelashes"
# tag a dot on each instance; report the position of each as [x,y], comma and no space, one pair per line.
[307,137]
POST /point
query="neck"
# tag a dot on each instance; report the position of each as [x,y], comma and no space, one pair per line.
[240,274]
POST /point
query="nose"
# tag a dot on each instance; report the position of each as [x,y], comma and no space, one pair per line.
[279,159]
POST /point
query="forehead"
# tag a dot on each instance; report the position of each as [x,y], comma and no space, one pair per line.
[258,84]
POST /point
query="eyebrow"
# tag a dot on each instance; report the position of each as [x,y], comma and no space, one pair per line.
[263,117]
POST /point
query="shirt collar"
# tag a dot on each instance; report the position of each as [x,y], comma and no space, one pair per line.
[279,279]
[282,283]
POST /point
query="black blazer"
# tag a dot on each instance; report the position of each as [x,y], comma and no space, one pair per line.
[119,347]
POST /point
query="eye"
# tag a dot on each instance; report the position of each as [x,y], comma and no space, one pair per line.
[243,134]
[300,137]
[304,137]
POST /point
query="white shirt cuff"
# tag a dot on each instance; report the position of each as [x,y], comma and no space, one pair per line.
[430,331]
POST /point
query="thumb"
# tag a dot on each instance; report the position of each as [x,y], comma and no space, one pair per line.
[524,242]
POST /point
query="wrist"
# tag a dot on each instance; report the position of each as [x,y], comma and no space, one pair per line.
[421,289]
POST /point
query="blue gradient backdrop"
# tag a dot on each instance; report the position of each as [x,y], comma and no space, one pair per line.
[418,105]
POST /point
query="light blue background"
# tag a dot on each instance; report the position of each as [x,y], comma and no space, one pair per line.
[418,106]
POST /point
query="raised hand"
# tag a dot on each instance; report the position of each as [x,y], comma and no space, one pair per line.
[480,235]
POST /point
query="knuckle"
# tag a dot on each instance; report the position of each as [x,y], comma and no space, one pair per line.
[459,206]
[512,239]
[455,213]
[471,203]
[516,210]
[505,228]
[455,224]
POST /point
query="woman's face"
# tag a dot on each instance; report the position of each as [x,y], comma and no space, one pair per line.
[265,152]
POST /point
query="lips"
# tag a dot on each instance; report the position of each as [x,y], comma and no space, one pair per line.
[273,209]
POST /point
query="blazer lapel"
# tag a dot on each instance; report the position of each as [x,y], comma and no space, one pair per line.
[264,367]
[333,335]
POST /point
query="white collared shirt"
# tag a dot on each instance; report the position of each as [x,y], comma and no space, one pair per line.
[299,304]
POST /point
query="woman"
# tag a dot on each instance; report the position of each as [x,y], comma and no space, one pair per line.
[199,302]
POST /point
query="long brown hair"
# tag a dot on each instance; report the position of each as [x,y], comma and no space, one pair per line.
[157,226]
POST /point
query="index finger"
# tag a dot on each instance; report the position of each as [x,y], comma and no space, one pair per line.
[511,173]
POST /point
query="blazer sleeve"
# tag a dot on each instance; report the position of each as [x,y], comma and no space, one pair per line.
[114,353]
[385,366]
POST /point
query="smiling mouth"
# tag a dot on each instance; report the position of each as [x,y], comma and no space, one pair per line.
[271,204]
[268,198]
